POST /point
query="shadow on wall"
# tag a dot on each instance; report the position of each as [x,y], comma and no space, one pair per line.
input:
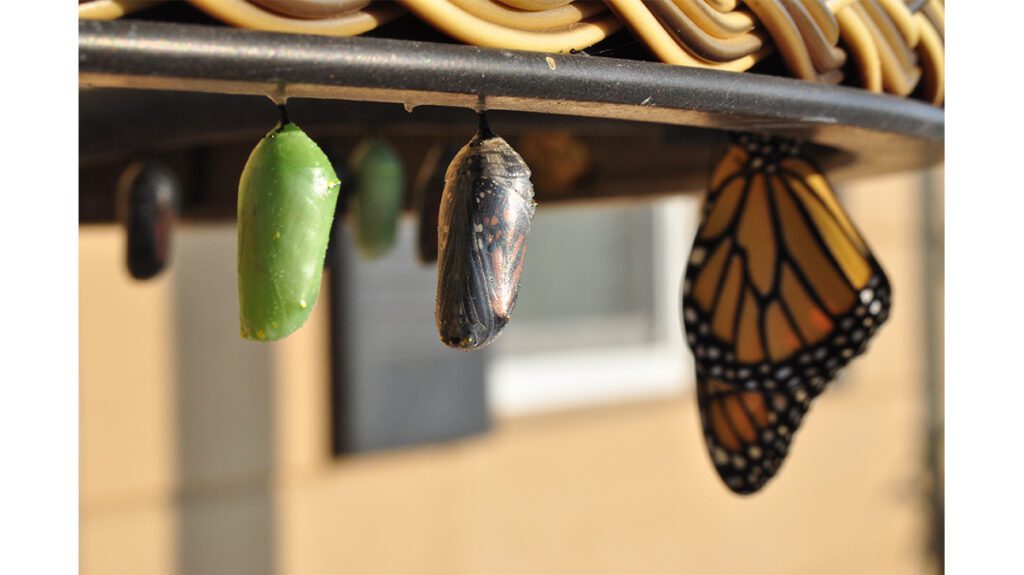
[224,419]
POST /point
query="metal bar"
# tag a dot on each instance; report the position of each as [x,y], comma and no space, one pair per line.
[882,130]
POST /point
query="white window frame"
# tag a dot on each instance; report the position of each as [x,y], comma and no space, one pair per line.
[527,383]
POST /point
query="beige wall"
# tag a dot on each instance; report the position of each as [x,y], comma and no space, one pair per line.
[203,453]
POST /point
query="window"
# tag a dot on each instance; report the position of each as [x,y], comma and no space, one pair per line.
[597,318]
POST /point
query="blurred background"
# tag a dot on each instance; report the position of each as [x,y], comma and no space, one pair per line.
[360,444]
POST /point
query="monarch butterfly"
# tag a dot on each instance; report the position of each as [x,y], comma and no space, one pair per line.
[486,209]
[780,293]
[149,199]
[376,200]
[286,200]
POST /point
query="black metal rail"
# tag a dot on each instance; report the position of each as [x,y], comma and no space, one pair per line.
[886,133]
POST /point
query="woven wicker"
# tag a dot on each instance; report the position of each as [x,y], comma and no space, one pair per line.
[892,46]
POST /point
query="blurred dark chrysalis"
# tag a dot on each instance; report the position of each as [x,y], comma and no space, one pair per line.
[148,196]
[484,221]
[427,199]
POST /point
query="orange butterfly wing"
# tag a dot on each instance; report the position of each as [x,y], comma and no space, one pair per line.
[780,293]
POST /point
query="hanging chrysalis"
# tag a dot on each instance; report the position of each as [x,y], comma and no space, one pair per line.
[376,201]
[781,292]
[427,199]
[148,201]
[484,221]
[286,200]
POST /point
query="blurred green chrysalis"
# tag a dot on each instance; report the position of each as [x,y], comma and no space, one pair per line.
[286,200]
[376,201]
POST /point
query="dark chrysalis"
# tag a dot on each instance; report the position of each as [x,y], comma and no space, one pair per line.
[484,221]
[148,199]
[781,292]
[427,199]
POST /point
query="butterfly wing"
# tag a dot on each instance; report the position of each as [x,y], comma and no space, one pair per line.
[781,292]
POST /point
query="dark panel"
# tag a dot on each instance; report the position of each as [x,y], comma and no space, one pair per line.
[393,382]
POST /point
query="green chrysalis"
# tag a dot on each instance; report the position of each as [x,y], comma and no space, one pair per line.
[376,201]
[286,200]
